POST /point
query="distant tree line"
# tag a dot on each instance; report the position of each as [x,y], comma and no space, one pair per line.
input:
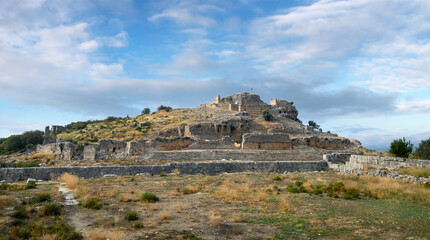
[403,148]
[20,143]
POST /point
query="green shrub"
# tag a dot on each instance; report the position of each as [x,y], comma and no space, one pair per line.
[149,197]
[4,186]
[277,178]
[267,116]
[138,225]
[20,212]
[401,148]
[313,124]
[319,189]
[423,150]
[292,189]
[30,185]
[351,193]
[93,203]
[64,231]
[40,198]
[19,232]
[194,237]
[131,216]
[51,209]
[427,184]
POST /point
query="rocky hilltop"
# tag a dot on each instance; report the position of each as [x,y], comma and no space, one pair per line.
[230,127]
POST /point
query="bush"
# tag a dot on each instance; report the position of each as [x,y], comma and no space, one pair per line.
[292,189]
[131,216]
[166,108]
[93,203]
[267,116]
[51,209]
[401,148]
[194,237]
[30,185]
[40,198]
[423,150]
[138,225]
[146,111]
[19,232]
[149,197]
[313,124]
[277,178]
[19,212]
[351,193]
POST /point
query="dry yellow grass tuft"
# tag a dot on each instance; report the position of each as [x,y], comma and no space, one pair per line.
[164,215]
[285,204]
[215,218]
[6,201]
[70,180]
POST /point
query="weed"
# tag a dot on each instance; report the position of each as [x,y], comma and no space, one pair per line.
[149,197]
[30,185]
[131,216]
[70,180]
[50,209]
[93,203]
[277,178]
[194,237]
[138,225]
[190,190]
[20,212]
[351,193]
[292,189]
[416,171]
[19,232]
[40,198]
[164,215]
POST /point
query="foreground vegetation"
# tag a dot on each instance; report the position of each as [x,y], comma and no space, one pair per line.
[236,206]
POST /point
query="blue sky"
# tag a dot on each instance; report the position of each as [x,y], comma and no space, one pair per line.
[360,68]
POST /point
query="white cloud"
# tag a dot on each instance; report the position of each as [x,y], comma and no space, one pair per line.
[106,71]
[119,40]
[417,106]
[89,45]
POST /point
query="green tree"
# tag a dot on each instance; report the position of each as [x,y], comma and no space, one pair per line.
[423,150]
[401,148]
[313,124]
[16,143]
[166,108]
[146,111]
[267,115]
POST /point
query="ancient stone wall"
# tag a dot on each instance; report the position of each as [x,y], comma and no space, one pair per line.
[327,143]
[167,144]
[63,150]
[266,141]
[356,163]
[211,168]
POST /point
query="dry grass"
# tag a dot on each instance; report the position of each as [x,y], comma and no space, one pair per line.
[285,203]
[70,180]
[215,218]
[103,234]
[128,197]
[190,189]
[164,215]
[416,171]
[6,201]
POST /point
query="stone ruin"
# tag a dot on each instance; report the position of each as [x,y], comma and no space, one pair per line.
[54,128]
[252,104]
[234,128]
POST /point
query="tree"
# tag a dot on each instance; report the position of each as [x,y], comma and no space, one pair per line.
[423,150]
[401,148]
[313,124]
[146,111]
[267,115]
[166,108]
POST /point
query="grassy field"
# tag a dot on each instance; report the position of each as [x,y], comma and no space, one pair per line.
[226,206]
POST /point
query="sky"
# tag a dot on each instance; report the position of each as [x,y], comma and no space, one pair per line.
[359,68]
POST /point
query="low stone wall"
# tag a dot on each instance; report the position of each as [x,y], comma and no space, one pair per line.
[211,168]
[355,163]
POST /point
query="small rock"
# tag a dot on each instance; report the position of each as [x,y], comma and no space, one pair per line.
[109,176]
[31,180]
